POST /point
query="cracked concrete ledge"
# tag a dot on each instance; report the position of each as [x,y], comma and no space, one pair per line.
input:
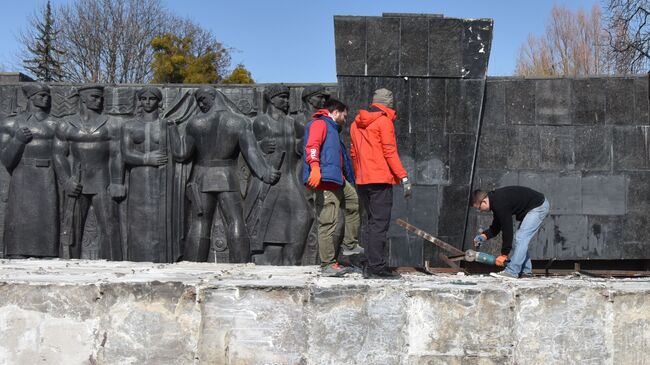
[97,312]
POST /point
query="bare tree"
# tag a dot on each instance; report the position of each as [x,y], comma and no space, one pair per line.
[109,41]
[628,34]
[571,46]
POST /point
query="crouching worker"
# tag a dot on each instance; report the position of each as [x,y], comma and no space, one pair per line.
[326,168]
[530,207]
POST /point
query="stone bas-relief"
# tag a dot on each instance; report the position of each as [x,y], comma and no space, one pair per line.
[278,216]
[26,146]
[144,182]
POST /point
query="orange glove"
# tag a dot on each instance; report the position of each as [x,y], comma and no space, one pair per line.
[314,177]
[501,260]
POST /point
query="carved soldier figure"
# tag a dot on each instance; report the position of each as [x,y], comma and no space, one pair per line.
[93,175]
[278,216]
[26,140]
[213,140]
[149,204]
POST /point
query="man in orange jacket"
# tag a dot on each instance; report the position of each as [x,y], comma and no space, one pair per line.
[377,168]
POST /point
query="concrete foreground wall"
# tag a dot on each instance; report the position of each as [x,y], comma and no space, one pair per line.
[83,312]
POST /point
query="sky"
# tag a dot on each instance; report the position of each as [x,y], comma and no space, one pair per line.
[293,40]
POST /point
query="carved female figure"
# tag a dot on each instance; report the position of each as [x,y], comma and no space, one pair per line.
[145,150]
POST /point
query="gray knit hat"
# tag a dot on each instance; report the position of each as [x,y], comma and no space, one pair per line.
[383,96]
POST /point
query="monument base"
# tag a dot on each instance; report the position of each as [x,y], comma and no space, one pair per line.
[97,312]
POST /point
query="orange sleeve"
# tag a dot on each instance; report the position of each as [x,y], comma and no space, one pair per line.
[389,147]
[353,148]
[317,134]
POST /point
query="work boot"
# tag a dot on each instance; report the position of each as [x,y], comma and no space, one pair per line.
[334,270]
[526,275]
[504,275]
[356,250]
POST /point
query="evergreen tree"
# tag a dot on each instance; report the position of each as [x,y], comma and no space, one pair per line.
[45,58]
[175,63]
[240,75]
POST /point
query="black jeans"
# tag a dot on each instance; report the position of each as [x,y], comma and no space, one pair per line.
[376,202]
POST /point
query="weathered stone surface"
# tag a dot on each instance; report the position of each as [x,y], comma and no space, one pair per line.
[382,47]
[520,101]
[631,147]
[557,148]
[591,152]
[619,102]
[477,41]
[445,49]
[414,46]
[641,101]
[78,312]
[588,96]
[350,45]
[553,102]
[604,195]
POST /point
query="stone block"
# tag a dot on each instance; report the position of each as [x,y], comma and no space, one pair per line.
[563,191]
[631,148]
[431,151]
[406,249]
[523,148]
[520,101]
[554,326]
[588,101]
[630,322]
[494,147]
[461,158]
[408,154]
[349,321]
[638,192]
[427,105]
[350,45]
[553,102]
[453,210]
[414,52]
[494,112]
[433,315]
[619,101]
[477,41]
[557,148]
[445,47]
[463,105]
[563,237]
[248,326]
[485,179]
[354,92]
[592,146]
[641,101]
[383,48]
[604,194]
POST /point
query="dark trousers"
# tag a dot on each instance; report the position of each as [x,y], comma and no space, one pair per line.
[376,202]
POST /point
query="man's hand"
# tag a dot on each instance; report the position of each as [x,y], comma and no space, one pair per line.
[117,191]
[408,188]
[272,176]
[267,145]
[479,239]
[314,177]
[24,135]
[72,188]
[501,260]
[155,158]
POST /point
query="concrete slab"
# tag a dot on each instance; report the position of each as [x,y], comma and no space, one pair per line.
[81,312]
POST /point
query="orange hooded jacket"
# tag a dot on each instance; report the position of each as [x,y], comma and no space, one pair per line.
[373,147]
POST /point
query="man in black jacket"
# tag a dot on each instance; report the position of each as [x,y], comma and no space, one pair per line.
[530,207]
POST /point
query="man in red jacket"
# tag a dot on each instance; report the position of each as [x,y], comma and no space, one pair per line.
[328,170]
[377,168]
